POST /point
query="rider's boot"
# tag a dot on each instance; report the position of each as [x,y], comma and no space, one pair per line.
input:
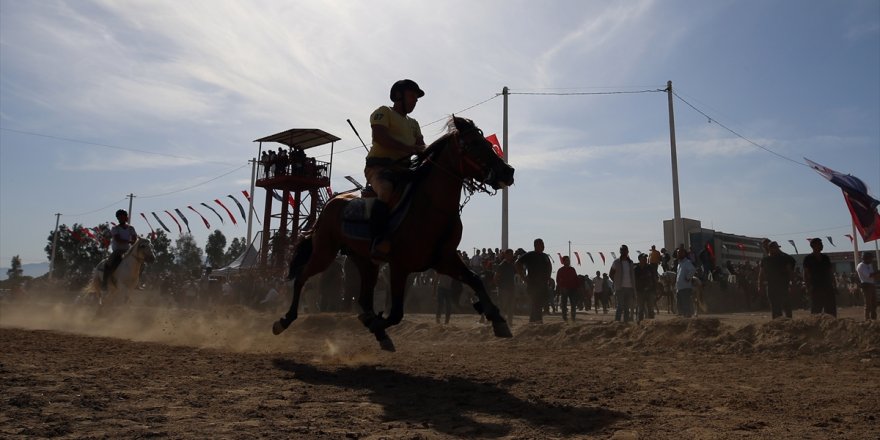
[381,247]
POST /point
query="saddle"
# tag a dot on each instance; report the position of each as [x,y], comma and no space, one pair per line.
[356,214]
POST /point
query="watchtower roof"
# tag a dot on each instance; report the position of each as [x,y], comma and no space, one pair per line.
[301,138]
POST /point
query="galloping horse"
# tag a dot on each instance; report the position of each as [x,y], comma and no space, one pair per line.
[427,237]
[126,274]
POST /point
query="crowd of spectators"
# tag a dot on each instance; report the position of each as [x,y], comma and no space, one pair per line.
[291,162]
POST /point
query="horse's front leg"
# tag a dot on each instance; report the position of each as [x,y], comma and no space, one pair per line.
[397,284]
[455,268]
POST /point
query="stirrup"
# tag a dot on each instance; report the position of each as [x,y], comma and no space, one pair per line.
[380,249]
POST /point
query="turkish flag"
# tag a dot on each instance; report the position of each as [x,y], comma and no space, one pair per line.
[496,146]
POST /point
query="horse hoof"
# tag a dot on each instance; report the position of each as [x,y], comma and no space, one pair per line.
[278,327]
[387,345]
[501,329]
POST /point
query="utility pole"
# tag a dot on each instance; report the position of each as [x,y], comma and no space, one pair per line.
[678,234]
[569,249]
[54,246]
[130,200]
[504,200]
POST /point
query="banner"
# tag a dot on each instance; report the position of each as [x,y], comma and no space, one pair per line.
[831,241]
[214,211]
[240,208]
[794,246]
[207,225]
[175,221]
[185,221]
[160,222]
[231,217]
[578,257]
[591,257]
[603,258]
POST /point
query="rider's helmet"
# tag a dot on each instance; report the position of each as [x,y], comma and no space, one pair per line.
[404,84]
[121,213]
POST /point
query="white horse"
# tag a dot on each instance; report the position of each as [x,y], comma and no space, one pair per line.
[126,275]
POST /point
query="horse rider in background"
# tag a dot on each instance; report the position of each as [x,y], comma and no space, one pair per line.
[123,236]
[396,137]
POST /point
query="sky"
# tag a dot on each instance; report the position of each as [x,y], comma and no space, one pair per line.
[162,99]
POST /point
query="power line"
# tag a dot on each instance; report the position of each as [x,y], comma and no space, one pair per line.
[614,92]
[711,120]
[115,147]
[194,186]
[96,210]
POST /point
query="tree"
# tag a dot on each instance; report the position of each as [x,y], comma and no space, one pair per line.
[188,254]
[79,250]
[15,272]
[164,254]
[214,249]
[236,248]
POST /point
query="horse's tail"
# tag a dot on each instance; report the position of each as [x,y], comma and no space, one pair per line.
[301,256]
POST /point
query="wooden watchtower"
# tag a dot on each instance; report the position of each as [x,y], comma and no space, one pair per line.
[297,181]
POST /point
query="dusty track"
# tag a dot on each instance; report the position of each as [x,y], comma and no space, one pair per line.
[153,372]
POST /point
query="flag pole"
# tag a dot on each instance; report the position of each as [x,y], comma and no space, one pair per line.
[855,241]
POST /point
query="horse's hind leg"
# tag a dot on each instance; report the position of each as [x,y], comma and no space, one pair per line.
[317,263]
[369,274]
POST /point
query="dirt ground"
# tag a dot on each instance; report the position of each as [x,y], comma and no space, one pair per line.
[157,372]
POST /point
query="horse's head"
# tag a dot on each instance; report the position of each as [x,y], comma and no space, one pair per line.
[145,250]
[478,158]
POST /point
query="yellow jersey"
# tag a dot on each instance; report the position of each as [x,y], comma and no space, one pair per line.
[401,128]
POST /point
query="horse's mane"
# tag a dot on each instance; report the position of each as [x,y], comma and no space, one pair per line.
[132,247]
[437,146]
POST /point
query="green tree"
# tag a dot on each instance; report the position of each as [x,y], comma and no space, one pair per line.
[164,254]
[236,248]
[78,252]
[15,272]
[214,249]
[188,254]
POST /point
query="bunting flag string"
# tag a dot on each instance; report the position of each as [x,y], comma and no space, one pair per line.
[207,225]
[613,256]
[185,221]
[831,241]
[603,258]
[794,246]
[240,208]
[214,211]
[850,237]
[578,257]
[160,222]
[231,217]
[175,221]
[591,257]
[277,196]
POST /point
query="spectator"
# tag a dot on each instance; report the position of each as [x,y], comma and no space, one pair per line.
[646,288]
[777,270]
[567,285]
[654,257]
[868,278]
[534,267]
[684,288]
[505,276]
[819,280]
[623,275]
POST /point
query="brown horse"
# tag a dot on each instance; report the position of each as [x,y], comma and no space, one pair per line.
[427,237]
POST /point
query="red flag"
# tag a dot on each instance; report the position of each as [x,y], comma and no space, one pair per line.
[291,201]
[152,231]
[227,211]
[711,251]
[603,258]
[246,195]
[207,225]
[175,221]
[496,146]
[578,257]
[89,233]
[740,246]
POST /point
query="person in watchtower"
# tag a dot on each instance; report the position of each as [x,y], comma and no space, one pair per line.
[396,137]
[123,236]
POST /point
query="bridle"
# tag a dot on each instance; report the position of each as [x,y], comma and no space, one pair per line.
[466,161]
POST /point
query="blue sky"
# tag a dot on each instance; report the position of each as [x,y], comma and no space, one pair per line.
[197,81]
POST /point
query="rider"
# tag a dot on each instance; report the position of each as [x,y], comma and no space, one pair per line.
[396,137]
[123,236]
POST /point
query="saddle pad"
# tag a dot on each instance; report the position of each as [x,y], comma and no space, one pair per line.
[356,216]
